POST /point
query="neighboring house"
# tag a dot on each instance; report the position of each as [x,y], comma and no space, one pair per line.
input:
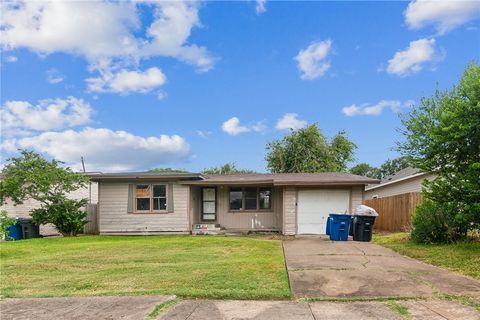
[156,203]
[404,181]
[89,192]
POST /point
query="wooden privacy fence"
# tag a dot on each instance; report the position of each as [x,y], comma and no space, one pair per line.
[92,225]
[395,212]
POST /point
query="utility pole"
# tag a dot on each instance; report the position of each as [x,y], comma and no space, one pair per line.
[89,183]
[83,164]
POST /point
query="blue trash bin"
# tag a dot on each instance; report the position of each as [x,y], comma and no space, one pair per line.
[328,226]
[15,231]
[338,226]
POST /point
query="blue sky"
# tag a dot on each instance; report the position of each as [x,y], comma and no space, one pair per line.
[130,86]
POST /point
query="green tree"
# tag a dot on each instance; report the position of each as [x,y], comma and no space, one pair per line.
[390,167]
[443,138]
[5,222]
[30,176]
[308,150]
[366,170]
[166,170]
[227,168]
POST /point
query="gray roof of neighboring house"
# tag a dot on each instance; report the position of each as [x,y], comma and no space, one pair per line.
[409,171]
[401,175]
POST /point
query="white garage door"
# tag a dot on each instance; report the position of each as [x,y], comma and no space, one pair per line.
[314,206]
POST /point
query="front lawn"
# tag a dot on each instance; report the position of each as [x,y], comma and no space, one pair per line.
[463,257]
[195,267]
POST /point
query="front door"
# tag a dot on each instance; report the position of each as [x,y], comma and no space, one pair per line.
[209,204]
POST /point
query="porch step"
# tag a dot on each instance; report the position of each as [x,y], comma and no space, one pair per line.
[207,228]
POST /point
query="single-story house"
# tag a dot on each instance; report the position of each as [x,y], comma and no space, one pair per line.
[157,203]
[404,181]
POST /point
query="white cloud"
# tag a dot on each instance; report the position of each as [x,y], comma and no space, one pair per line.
[376,109]
[232,127]
[260,6]
[114,41]
[22,117]
[444,16]
[54,77]
[104,149]
[290,121]
[312,61]
[413,59]
[162,95]
[125,82]
[11,59]
[204,134]
[259,127]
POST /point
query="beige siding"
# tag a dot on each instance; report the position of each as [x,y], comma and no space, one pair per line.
[251,220]
[195,198]
[290,211]
[410,185]
[356,197]
[114,218]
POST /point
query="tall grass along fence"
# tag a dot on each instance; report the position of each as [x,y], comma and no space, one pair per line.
[395,212]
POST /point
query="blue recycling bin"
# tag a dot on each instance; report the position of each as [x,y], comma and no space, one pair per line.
[338,226]
[328,226]
[15,231]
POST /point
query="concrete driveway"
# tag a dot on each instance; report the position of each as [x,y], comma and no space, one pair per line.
[318,267]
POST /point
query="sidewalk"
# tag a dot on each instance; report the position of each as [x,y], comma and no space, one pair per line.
[140,307]
[286,310]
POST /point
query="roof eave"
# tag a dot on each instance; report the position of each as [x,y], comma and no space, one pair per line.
[229,183]
[121,178]
[323,183]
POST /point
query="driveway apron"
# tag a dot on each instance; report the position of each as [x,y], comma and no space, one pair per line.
[318,267]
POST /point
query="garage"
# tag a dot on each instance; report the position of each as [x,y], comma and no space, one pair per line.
[314,206]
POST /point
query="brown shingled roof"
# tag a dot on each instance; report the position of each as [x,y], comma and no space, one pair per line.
[280,179]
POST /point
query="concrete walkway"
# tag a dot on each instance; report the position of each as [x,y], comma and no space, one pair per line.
[287,310]
[318,267]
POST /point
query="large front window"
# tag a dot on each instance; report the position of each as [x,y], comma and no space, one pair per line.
[150,198]
[250,199]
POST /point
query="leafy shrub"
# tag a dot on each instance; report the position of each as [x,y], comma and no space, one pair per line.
[431,224]
[68,216]
[5,222]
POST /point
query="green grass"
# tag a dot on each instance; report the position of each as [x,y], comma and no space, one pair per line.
[462,257]
[398,309]
[193,267]
[159,308]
